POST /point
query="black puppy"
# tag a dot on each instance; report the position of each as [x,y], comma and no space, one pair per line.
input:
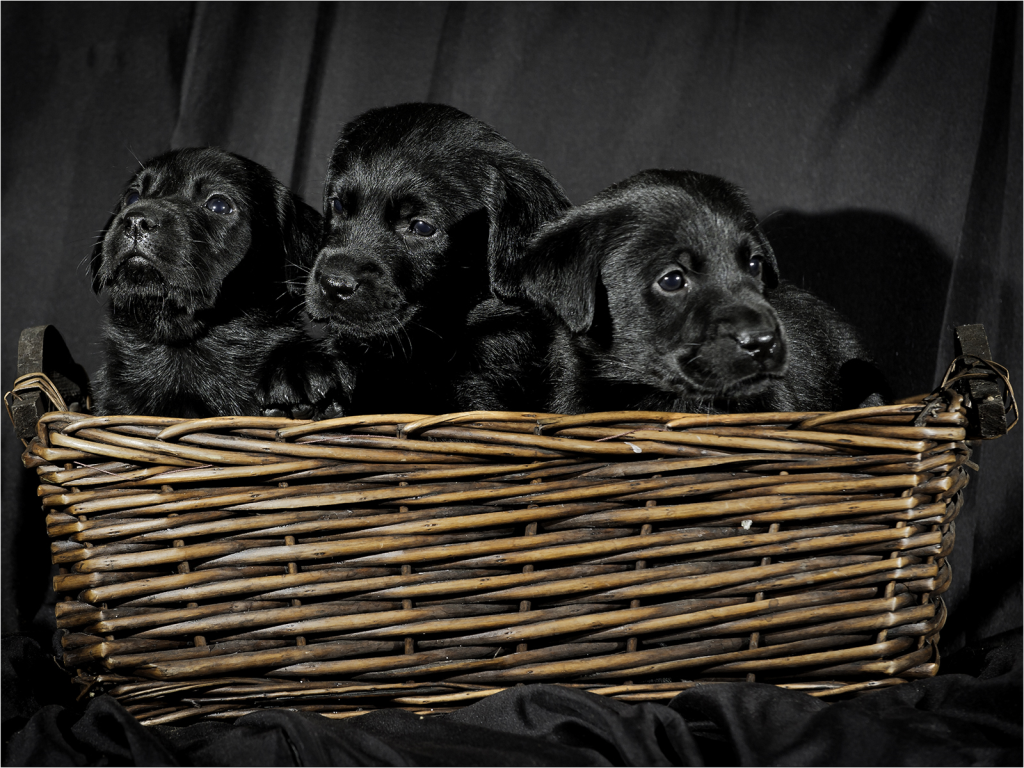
[666,297]
[423,205]
[196,260]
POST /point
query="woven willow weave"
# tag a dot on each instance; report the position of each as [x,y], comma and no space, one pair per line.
[211,567]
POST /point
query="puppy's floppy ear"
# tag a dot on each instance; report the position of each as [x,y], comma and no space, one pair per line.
[96,260]
[520,196]
[561,267]
[301,228]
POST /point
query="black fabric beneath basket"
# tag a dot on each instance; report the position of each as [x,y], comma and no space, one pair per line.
[881,143]
[969,715]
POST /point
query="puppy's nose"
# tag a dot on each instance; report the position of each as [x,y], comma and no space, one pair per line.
[141,221]
[760,345]
[338,287]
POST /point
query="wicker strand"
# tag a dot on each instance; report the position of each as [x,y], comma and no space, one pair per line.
[755,636]
[220,566]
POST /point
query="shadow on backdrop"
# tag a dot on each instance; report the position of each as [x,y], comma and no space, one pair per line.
[886,275]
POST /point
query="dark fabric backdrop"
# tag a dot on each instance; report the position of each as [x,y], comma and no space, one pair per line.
[881,143]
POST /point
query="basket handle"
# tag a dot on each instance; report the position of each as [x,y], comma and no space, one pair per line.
[48,379]
[984,384]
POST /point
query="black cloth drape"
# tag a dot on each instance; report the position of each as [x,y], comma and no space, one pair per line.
[881,144]
[969,715]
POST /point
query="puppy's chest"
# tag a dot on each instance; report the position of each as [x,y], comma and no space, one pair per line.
[196,368]
[219,360]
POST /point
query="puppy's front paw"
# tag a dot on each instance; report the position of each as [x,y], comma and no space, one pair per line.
[330,410]
[303,411]
[281,397]
[326,409]
[306,383]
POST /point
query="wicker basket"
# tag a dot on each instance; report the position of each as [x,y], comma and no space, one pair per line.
[209,568]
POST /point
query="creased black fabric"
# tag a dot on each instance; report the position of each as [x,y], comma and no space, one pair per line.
[954,719]
[950,720]
[880,143]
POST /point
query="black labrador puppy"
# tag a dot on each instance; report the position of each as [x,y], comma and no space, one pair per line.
[196,259]
[423,205]
[665,296]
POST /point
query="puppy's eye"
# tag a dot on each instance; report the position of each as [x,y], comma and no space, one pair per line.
[133,198]
[755,266]
[672,281]
[218,205]
[337,206]
[422,228]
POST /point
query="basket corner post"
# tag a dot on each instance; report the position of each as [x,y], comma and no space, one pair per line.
[986,408]
[48,379]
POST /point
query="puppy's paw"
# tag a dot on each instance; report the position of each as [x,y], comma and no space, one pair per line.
[284,396]
[326,409]
[306,383]
[324,394]
[303,411]
[329,410]
[276,412]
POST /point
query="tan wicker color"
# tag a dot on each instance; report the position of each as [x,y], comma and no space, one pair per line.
[212,567]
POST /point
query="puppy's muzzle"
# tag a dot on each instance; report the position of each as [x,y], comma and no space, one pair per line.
[760,345]
[752,339]
[341,277]
[338,287]
[140,227]
[140,222]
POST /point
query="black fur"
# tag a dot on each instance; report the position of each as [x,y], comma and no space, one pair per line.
[196,259]
[424,206]
[665,296]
